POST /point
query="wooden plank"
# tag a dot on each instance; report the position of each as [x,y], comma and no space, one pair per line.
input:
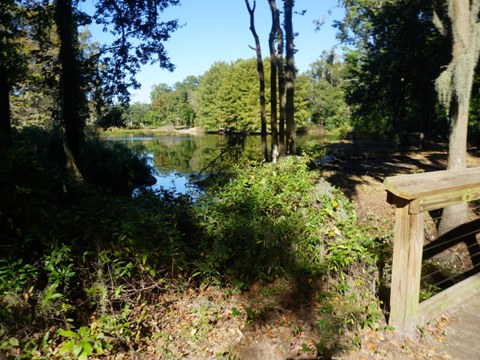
[414,186]
[406,270]
[448,299]
[440,201]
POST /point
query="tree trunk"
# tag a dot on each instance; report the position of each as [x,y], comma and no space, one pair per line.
[261,79]
[273,76]
[281,87]
[458,87]
[290,78]
[71,94]
[5,120]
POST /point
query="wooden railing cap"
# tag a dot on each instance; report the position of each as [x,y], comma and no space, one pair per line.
[414,186]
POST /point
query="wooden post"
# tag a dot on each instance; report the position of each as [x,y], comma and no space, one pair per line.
[413,195]
[406,269]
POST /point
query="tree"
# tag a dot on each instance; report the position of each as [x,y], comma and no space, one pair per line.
[454,86]
[289,77]
[176,105]
[139,38]
[272,38]
[12,62]
[396,53]
[281,85]
[71,96]
[125,19]
[261,78]
[209,106]
[327,96]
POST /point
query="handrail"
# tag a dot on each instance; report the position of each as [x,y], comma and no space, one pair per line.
[413,195]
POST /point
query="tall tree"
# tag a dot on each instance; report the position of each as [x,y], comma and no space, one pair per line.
[327,95]
[395,55]
[454,86]
[281,85]
[261,78]
[289,77]
[124,19]
[12,63]
[273,76]
[72,97]
[5,122]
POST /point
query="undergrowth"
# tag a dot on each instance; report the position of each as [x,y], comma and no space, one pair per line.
[83,265]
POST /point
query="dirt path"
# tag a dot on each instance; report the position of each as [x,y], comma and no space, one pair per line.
[359,171]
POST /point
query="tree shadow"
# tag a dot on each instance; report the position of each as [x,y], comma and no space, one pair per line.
[377,160]
[437,274]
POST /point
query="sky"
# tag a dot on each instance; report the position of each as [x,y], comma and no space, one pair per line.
[218,30]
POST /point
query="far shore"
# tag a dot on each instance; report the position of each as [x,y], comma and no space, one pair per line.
[171,130]
[163,130]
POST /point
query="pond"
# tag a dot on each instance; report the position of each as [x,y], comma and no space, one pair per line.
[176,157]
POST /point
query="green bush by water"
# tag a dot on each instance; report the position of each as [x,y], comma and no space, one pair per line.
[273,219]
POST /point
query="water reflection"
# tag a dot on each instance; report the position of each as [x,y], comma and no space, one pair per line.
[176,158]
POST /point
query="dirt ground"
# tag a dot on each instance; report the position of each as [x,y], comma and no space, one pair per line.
[359,171]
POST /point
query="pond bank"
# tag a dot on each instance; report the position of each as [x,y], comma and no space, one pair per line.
[146,132]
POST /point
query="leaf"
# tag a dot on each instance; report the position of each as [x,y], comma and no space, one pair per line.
[235,312]
[87,348]
[68,333]
[13,342]
[77,349]
[306,348]
[66,347]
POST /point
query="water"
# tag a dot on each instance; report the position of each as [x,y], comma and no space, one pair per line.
[176,158]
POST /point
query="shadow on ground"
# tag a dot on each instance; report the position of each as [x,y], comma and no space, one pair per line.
[357,161]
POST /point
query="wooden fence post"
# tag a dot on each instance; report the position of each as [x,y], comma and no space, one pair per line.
[406,268]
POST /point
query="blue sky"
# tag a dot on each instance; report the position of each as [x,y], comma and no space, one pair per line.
[218,30]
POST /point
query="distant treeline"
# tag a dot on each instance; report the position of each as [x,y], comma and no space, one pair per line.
[226,97]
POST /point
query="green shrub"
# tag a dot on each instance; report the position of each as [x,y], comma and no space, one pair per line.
[277,218]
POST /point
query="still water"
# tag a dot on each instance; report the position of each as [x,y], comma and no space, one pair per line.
[176,158]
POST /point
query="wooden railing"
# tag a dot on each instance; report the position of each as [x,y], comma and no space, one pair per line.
[413,196]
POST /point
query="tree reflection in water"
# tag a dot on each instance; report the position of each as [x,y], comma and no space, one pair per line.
[176,158]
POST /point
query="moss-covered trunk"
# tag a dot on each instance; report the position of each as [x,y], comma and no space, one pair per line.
[454,87]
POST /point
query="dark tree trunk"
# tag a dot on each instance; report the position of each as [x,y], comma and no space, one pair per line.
[273,77]
[290,78]
[5,121]
[71,94]
[281,87]
[261,79]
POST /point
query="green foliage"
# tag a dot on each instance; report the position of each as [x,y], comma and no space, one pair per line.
[327,94]
[175,106]
[112,117]
[115,168]
[69,251]
[278,218]
[228,97]
[397,54]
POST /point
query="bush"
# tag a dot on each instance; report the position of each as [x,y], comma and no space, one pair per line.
[115,168]
[70,252]
[276,218]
